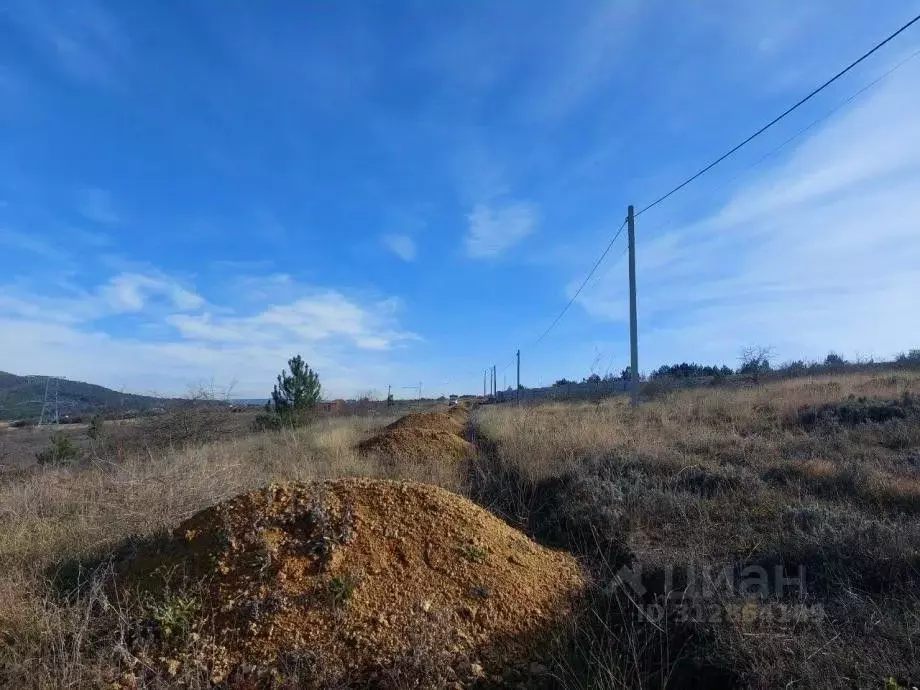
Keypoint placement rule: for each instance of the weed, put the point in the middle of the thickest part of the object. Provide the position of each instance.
(342, 587)
(472, 552)
(174, 614)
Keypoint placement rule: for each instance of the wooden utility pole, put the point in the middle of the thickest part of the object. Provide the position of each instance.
(518, 388)
(633, 326)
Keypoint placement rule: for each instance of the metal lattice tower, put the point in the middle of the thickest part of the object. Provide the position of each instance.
(50, 410)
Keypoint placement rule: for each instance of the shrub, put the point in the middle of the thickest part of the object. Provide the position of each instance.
(855, 411)
(61, 451)
(692, 370)
(755, 361)
(910, 359)
(834, 361)
(96, 428)
(266, 422)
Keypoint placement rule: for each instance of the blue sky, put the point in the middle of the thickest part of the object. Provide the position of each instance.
(405, 192)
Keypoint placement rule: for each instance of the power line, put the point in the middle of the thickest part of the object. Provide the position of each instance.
(772, 152)
(735, 149)
(582, 286)
(779, 117)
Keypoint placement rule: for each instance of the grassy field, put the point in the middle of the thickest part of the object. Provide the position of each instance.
(666, 505)
(822, 474)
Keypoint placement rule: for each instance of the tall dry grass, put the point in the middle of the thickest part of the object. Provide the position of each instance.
(707, 479)
(52, 517)
(543, 438)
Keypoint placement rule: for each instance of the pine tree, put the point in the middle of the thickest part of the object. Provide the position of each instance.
(296, 393)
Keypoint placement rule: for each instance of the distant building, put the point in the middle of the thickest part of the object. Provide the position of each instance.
(331, 406)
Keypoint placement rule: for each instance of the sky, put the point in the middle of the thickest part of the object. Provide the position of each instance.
(407, 192)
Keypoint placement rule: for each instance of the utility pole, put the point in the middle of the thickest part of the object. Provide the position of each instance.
(50, 412)
(633, 326)
(518, 388)
(494, 381)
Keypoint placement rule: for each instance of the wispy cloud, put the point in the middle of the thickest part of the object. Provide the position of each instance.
(401, 245)
(821, 251)
(82, 40)
(97, 205)
(13, 92)
(495, 228)
(31, 243)
(584, 61)
(131, 292)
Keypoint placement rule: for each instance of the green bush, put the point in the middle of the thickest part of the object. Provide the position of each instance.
(61, 451)
(909, 359)
(96, 427)
(266, 422)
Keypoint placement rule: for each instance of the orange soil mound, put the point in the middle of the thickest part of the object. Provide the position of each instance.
(422, 437)
(417, 445)
(356, 574)
(439, 421)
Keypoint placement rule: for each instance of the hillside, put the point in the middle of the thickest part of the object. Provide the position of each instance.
(21, 397)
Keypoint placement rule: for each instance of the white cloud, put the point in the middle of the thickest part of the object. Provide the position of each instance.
(401, 245)
(96, 205)
(319, 316)
(344, 338)
(131, 291)
(820, 252)
(494, 228)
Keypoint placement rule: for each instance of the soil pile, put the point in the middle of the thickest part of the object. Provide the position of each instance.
(422, 437)
(416, 445)
(355, 578)
(452, 423)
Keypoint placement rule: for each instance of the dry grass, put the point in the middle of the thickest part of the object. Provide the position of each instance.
(707, 479)
(52, 517)
(699, 478)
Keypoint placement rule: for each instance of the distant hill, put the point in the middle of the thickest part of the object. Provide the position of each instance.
(252, 402)
(21, 398)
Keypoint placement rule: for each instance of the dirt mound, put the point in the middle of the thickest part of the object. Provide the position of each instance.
(417, 445)
(354, 577)
(439, 421)
(422, 437)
